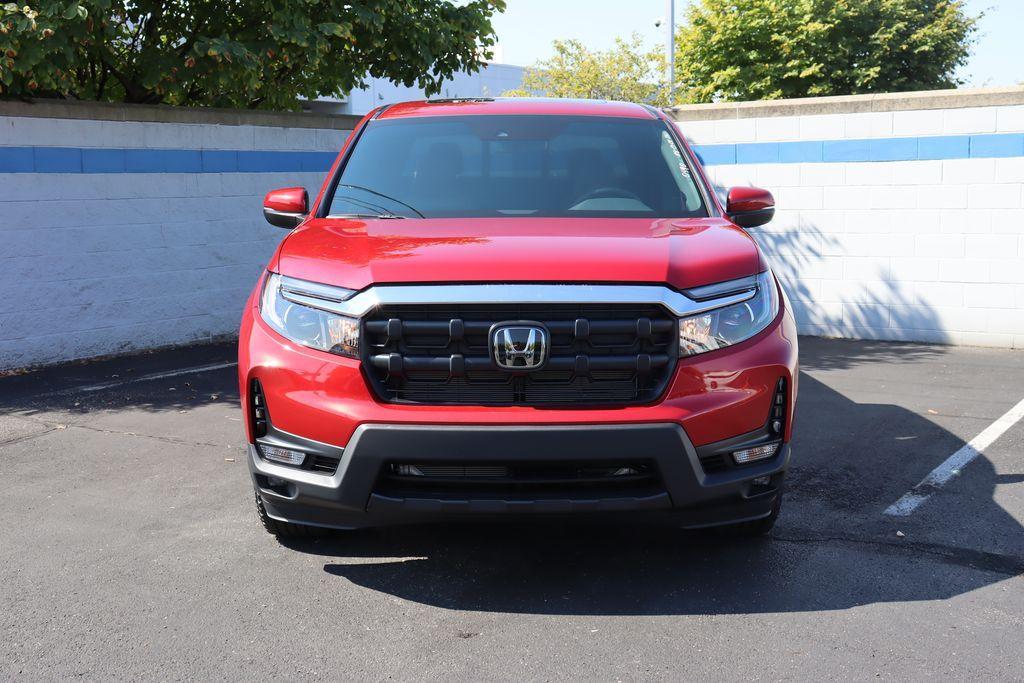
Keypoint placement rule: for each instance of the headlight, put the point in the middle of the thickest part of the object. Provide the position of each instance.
(306, 324)
(730, 325)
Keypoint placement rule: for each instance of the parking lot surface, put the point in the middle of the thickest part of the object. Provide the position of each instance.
(129, 546)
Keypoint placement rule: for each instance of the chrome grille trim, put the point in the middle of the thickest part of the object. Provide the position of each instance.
(312, 294)
(720, 289)
(368, 299)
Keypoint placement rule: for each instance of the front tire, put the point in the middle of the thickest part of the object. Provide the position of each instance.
(283, 530)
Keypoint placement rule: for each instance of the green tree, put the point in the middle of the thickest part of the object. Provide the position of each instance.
(626, 72)
(240, 53)
(771, 49)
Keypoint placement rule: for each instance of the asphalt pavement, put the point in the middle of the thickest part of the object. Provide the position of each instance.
(130, 549)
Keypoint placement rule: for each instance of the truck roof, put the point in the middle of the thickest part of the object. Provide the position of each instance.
(474, 106)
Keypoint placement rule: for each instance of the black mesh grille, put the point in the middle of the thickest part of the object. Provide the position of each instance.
(480, 480)
(599, 355)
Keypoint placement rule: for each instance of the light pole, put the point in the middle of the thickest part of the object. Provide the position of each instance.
(670, 48)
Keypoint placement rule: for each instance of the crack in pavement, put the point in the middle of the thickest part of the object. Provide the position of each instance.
(58, 426)
(26, 437)
(165, 439)
(1007, 565)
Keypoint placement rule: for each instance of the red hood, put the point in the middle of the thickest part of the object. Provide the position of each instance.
(357, 253)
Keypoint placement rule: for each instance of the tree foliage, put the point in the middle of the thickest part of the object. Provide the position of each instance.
(626, 72)
(238, 53)
(770, 49)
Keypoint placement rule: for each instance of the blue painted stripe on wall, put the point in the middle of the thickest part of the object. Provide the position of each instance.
(17, 160)
(997, 145)
(716, 155)
(219, 161)
(318, 161)
(893, 149)
(57, 159)
(85, 160)
(807, 151)
(757, 153)
(104, 161)
(871, 149)
(944, 147)
(847, 150)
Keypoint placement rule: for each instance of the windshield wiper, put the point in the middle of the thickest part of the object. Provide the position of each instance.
(382, 195)
(380, 211)
(382, 216)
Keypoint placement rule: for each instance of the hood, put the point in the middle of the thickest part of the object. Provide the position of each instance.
(681, 252)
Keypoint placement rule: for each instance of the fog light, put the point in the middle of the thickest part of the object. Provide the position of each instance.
(761, 481)
(755, 453)
(282, 455)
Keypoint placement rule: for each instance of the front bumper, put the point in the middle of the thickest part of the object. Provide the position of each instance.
(713, 402)
(352, 497)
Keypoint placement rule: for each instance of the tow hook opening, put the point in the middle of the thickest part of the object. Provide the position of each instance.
(276, 486)
(760, 486)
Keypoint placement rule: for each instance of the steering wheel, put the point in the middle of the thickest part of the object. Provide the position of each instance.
(607, 193)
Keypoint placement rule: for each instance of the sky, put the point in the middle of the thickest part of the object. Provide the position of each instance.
(527, 28)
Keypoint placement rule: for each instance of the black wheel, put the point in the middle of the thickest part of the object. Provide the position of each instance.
(285, 529)
(758, 527)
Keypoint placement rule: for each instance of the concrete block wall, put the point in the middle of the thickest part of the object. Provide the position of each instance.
(898, 216)
(130, 227)
(125, 228)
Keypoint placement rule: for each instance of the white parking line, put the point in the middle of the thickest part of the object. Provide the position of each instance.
(952, 466)
(142, 378)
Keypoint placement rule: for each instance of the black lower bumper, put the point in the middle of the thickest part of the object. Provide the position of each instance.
(352, 497)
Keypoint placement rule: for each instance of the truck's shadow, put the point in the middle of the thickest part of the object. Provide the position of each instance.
(831, 550)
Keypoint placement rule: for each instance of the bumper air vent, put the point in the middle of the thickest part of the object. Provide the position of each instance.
(530, 479)
(258, 409)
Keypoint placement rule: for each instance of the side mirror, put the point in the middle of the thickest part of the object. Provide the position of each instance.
(749, 207)
(286, 207)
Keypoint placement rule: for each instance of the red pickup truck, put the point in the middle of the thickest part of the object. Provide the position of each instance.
(517, 307)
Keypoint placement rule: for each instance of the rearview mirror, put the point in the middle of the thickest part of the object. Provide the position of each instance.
(749, 207)
(286, 207)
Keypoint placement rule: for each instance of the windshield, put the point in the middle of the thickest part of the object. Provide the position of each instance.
(477, 166)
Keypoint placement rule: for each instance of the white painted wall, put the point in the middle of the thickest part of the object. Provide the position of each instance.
(923, 250)
(95, 263)
(102, 263)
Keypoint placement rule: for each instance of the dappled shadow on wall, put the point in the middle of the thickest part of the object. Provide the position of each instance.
(830, 301)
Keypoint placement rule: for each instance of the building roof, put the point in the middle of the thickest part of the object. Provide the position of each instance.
(516, 105)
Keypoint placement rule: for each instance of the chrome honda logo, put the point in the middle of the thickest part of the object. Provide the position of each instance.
(519, 346)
